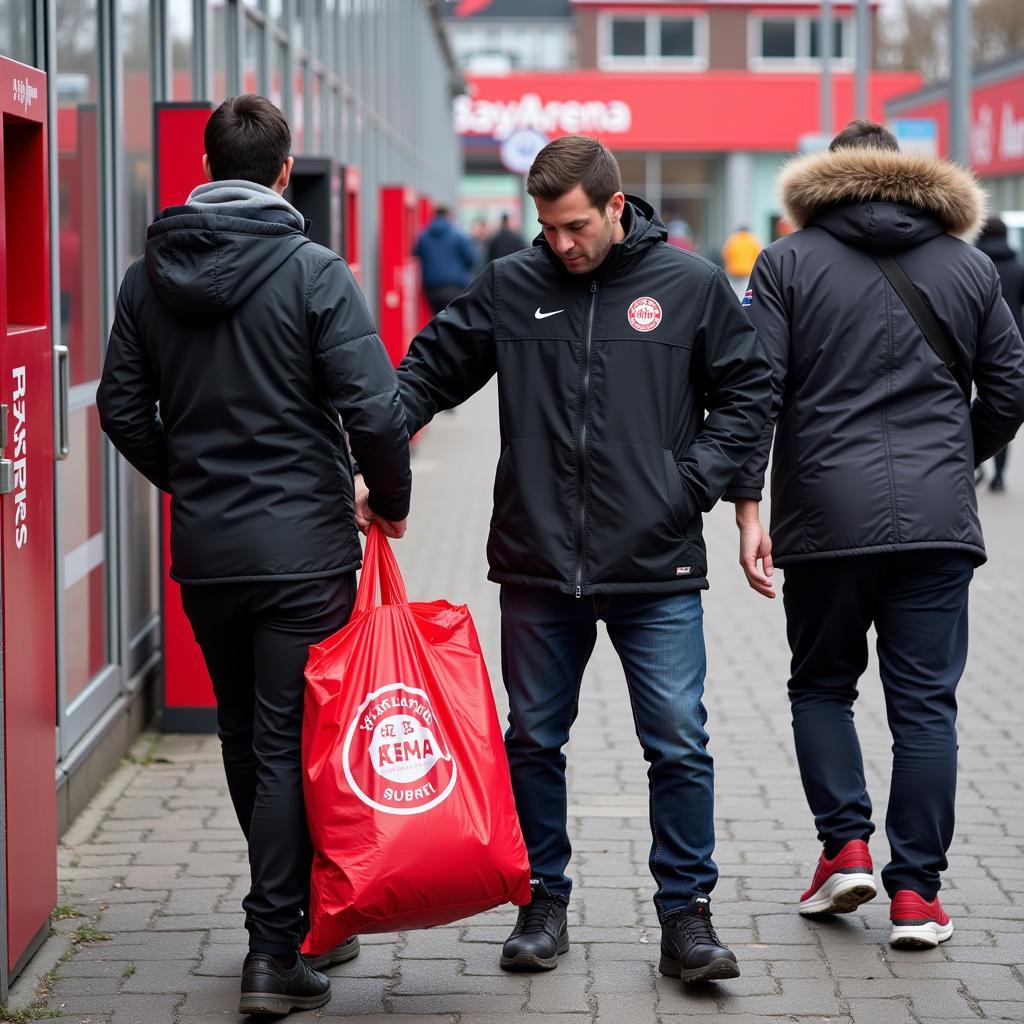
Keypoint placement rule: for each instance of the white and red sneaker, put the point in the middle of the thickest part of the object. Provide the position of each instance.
(842, 884)
(916, 923)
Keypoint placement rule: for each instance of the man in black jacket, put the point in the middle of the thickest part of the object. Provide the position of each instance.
(874, 514)
(608, 345)
(236, 344)
(992, 242)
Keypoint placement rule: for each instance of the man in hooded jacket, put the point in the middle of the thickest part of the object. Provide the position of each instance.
(874, 516)
(608, 345)
(236, 344)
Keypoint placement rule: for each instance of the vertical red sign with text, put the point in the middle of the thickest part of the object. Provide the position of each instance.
(27, 508)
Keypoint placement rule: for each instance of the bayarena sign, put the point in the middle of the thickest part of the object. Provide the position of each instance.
(500, 119)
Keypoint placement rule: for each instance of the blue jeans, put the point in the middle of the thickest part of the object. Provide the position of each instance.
(546, 640)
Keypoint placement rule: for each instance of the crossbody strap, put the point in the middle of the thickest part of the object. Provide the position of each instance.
(924, 316)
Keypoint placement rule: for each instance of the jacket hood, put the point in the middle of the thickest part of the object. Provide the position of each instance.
(207, 264)
(642, 226)
(913, 192)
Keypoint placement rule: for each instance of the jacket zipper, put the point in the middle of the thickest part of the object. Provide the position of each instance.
(585, 407)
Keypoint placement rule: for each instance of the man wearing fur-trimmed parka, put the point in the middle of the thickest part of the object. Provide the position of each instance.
(874, 516)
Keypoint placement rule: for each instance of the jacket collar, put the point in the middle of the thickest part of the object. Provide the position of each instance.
(809, 185)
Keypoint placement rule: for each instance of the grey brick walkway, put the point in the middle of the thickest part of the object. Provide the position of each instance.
(158, 864)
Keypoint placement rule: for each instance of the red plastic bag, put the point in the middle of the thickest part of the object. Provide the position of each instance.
(407, 787)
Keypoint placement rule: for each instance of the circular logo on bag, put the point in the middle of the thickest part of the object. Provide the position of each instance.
(644, 314)
(395, 757)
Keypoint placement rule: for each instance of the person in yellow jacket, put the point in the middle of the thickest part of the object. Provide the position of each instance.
(739, 253)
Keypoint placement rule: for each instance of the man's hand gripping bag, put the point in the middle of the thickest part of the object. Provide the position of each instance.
(407, 787)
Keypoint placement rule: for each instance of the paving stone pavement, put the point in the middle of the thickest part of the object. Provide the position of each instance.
(157, 861)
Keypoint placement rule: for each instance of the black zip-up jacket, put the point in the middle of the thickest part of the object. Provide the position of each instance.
(252, 339)
(875, 447)
(607, 458)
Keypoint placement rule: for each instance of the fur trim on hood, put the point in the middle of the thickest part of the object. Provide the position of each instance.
(952, 195)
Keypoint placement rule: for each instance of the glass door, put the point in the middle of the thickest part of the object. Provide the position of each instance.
(88, 676)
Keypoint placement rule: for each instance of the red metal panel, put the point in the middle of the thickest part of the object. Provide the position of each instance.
(399, 275)
(424, 214)
(27, 537)
(350, 183)
(188, 700)
(997, 126)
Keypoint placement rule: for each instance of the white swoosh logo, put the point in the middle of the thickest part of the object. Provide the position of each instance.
(543, 316)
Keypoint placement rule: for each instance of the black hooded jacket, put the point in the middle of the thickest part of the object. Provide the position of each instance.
(607, 458)
(875, 447)
(252, 340)
(1010, 269)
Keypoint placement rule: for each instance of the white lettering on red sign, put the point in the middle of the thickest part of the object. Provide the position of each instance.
(24, 93)
(499, 119)
(18, 394)
(997, 140)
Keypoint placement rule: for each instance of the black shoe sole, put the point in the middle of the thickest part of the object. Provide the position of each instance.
(279, 1005)
(720, 969)
(532, 962)
(325, 960)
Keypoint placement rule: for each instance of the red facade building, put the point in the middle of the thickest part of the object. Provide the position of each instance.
(701, 102)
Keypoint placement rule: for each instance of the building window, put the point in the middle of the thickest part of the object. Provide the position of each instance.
(502, 48)
(778, 38)
(182, 45)
(788, 43)
(17, 30)
(654, 41)
(629, 37)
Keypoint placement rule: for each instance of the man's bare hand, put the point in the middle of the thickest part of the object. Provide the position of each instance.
(755, 547)
(394, 530)
(365, 516)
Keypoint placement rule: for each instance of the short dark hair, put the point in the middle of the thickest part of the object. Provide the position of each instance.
(862, 134)
(442, 211)
(247, 137)
(575, 160)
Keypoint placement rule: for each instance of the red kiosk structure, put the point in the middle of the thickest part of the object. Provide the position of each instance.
(27, 429)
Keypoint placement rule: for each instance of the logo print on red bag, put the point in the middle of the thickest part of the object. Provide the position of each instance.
(395, 757)
(644, 314)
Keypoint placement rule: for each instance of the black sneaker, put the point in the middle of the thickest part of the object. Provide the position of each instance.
(348, 950)
(269, 988)
(540, 936)
(691, 950)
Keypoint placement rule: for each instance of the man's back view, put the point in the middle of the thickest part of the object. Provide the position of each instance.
(874, 517)
(447, 258)
(236, 345)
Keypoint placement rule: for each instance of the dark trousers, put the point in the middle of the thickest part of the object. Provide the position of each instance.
(255, 639)
(439, 295)
(546, 641)
(917, 602)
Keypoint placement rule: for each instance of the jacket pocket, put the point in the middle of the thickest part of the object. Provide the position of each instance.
(676, 495)
(634, 508)
(533, 527)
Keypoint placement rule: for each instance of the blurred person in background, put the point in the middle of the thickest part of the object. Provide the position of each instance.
(505, 241)
(992, 242)
(447, 258)
(739, 253)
